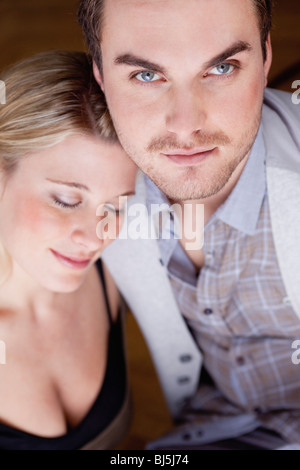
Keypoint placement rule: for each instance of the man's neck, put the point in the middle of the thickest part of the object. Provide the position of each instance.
(212, 203)
(192, 223)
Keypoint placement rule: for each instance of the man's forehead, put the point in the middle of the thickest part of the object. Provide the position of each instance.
(157, 13)
(172, 5)
(151, 26)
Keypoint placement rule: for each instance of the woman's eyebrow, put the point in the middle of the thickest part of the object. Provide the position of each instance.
(115, 198)
(69, 183)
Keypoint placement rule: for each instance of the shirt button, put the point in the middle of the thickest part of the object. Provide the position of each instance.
(208, 311)
(240, 360)
(209, 257)
(258, 410)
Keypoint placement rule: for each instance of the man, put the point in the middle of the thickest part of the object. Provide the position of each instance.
(185, 84)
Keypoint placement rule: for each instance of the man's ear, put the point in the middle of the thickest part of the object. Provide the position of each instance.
(268, 61)
(98, 76)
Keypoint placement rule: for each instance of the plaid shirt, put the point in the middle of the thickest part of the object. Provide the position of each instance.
(237, 307)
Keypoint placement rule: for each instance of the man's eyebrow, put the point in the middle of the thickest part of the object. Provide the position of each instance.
(239, 46)
(135, 61)
(70, 184)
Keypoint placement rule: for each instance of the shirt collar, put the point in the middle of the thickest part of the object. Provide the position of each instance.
(242, 207)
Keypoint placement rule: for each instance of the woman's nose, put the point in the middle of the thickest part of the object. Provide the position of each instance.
(84, 233)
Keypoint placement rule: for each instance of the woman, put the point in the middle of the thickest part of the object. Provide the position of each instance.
(64, 382)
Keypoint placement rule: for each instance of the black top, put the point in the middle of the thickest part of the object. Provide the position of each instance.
(103, 411)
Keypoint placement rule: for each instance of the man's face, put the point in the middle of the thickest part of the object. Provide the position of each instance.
(184, 82)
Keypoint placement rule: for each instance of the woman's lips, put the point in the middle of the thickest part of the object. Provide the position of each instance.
(74, 263)
(192, 157)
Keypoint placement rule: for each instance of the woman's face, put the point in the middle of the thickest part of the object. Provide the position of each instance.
(48, 208)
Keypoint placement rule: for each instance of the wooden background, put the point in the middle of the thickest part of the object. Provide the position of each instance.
(30, 26)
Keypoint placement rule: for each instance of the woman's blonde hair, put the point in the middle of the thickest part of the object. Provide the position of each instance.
(49, 97)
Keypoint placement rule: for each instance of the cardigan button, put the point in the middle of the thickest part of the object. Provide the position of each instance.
(183, 402)
(185, 358)
(183, 380)
(258, 410)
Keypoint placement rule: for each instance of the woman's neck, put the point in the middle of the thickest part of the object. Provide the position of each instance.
(21, 293)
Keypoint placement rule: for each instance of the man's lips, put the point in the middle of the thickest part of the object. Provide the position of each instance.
(72, 262)
(189, 157)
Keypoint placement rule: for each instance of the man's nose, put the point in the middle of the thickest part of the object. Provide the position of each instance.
(186, 113)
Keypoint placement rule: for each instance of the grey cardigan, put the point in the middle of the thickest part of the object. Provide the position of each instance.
(143, 281)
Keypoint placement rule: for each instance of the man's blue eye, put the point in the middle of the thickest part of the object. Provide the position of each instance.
(222, 69)
(147, 76)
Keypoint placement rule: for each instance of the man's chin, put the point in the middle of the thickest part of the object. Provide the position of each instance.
(187, 190)
(197, 182)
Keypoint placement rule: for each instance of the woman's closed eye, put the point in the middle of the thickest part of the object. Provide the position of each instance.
(112, 208)
(65, 203)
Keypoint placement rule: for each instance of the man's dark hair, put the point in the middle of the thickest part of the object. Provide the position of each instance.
(264, 10)
(90, 18)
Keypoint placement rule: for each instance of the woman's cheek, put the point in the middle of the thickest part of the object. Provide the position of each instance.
(39, 219)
